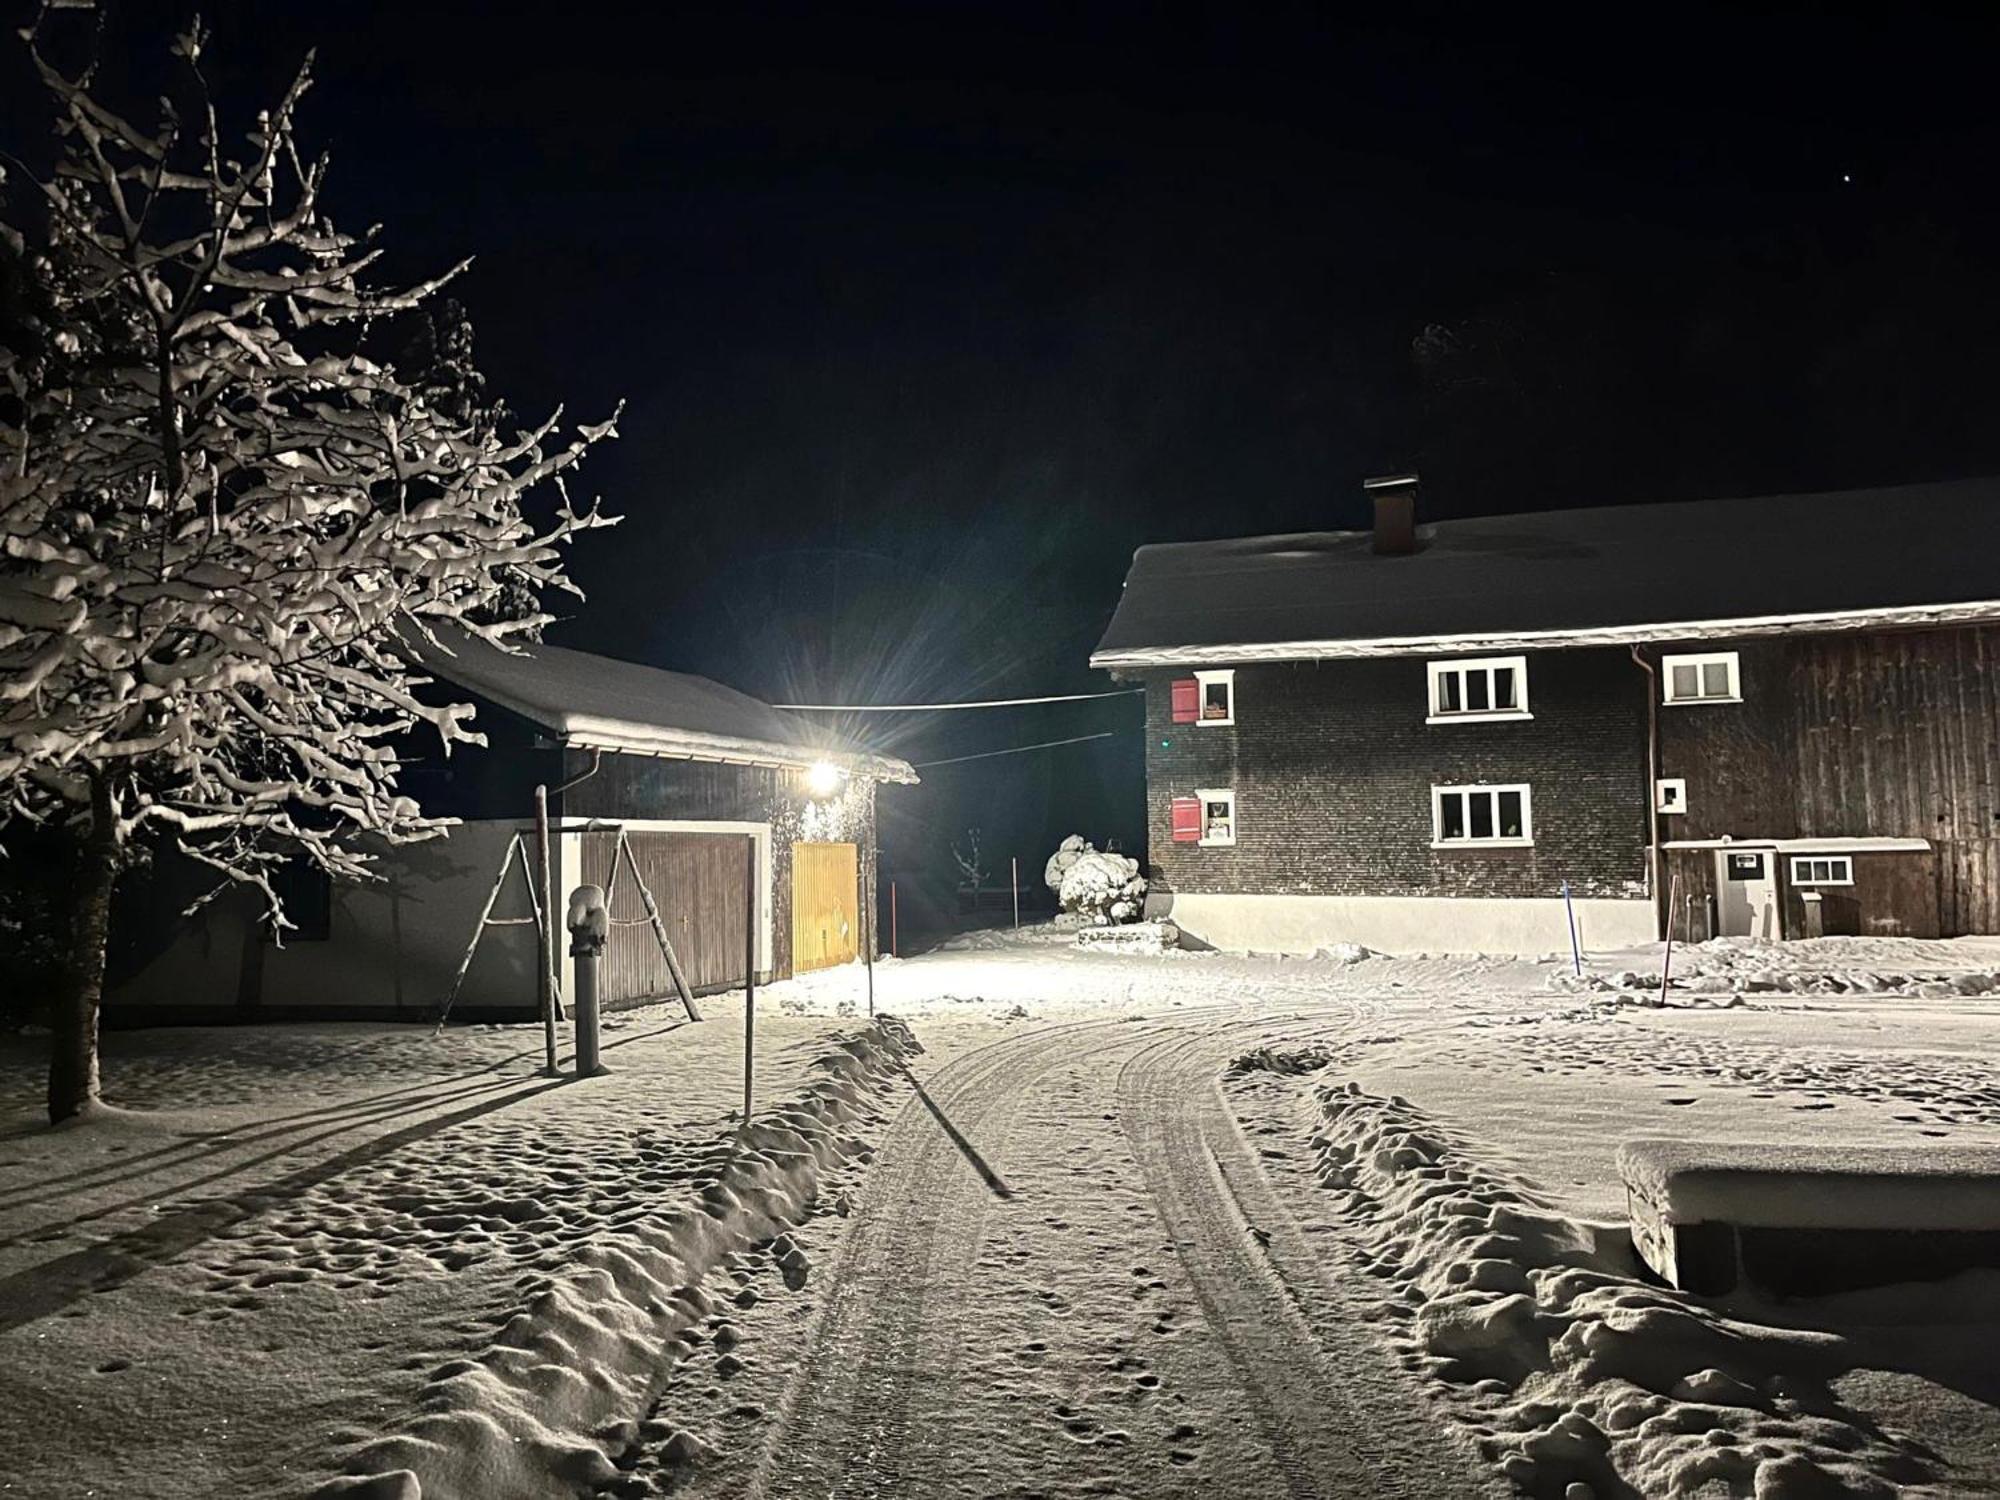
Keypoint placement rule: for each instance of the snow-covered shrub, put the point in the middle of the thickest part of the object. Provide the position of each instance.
(1061, 860)
(1092, 883)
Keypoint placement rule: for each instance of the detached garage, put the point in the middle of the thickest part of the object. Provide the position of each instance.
(706, 787)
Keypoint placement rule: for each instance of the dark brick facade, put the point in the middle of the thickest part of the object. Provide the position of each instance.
(1332, 764)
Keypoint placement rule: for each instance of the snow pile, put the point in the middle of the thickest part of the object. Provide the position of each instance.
(1089, 881)
(1579, 1379)
(1817, 966)
(1344, 953)
(1133, 937)
(533, 1413)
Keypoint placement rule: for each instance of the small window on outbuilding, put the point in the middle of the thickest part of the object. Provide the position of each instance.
(1822, 869)
(1217, 696)
(1712, 677)
(1218, 816)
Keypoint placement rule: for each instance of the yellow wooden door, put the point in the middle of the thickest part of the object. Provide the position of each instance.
(825, 930)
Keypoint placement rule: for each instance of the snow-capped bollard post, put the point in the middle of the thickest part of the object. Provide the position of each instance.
(589, 930)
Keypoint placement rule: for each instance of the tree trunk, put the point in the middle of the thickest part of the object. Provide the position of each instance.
(73, 1057)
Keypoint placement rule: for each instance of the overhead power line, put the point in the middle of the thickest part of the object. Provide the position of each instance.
(915, 708)
(925, 765)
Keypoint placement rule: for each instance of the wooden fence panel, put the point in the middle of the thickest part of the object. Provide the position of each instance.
(697, 881)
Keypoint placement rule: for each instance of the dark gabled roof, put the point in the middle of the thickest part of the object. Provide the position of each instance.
(1911, 555)
(597, 702)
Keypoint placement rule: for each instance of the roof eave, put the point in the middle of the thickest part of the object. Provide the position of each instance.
(1660, 632)
(586, 732)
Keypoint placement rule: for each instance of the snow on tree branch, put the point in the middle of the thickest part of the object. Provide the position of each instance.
(225, 516)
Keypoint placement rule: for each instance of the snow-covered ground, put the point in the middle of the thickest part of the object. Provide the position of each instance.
(1476, 1165)
(294, 1250)
(299, 1252)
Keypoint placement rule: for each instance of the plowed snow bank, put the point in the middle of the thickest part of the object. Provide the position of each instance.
(531, 1414)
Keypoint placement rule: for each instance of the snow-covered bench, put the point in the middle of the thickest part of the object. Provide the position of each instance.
(1808, 1220)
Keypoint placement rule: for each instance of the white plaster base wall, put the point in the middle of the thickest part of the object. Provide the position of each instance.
(393, 947)
(1405, 924)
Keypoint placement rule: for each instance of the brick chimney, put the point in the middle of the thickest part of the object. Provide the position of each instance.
(1395, 497)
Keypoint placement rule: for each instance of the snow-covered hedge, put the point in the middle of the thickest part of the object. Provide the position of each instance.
(1089, 881)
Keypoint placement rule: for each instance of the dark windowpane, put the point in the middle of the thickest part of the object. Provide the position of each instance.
(1715, 679)
(1475, 691)
(1215, 700)
(1503, 687)
(1510, 815)
(1686, 682)
(1482, 814)
(1452, 822)
(1448, 699)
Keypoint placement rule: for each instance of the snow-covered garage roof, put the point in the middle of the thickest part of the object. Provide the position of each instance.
(599, 703)
(1916, 554)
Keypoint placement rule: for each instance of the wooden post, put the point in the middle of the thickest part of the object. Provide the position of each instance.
(1014, 866)
(864, 898)
(1575, 948)
(545, 981)
(749, 974)
(1667, 958)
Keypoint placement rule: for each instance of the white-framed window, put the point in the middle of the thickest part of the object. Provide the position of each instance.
(1218, 815)
(1670, 794)
(1711, 677)
(1215, 696)
(1481, 816)
(1493, 687)
(1822, 869)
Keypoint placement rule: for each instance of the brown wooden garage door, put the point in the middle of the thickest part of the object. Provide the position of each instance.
(824, 931)
(697, 879)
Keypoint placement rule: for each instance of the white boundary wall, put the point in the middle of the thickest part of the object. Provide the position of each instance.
(395, 942)
(1405, 924)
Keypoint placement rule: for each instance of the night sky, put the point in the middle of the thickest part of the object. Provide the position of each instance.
(926, 316)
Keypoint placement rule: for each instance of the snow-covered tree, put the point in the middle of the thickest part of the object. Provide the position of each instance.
(224, 516)
(971, 864)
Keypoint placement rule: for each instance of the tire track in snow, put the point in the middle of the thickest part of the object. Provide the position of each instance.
(1328, 1399)
(880, 1391)
(846, 1426)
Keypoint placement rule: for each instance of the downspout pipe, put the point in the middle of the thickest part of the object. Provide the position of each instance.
(1652, 781)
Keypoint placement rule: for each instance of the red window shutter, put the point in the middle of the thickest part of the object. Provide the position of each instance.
(1187, 701)
(1187, 820)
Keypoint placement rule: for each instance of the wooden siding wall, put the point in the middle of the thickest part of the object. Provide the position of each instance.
(1893, 895)
(697, 879)
(644, 786)
(1894, 733)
